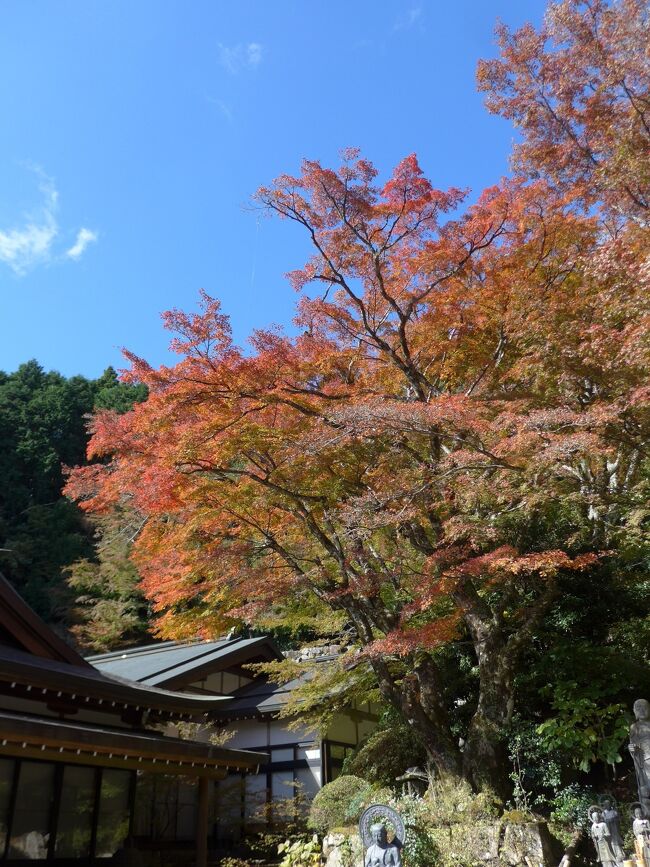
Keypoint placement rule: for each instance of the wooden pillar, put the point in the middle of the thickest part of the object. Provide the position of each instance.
(202, 822)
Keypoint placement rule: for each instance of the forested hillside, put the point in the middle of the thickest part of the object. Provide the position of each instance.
(43, 420)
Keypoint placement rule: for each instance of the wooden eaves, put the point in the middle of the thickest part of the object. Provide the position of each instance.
(22, 673)
(51, 739)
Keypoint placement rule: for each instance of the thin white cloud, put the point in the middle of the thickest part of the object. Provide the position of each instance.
(84, 237)
(32, 241)
(243, 55)
(224, 109)
(254, 54)
(409, 19)
(23, 247)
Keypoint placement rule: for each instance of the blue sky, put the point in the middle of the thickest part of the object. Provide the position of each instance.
(135, 133)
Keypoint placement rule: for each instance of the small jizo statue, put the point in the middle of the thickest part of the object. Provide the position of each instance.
(381, 853)
(641, 829)
(640, 751)
(602, 838)
(611, 819)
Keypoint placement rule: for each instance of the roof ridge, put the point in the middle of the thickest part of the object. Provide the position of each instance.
(148, 648)
(206, 652)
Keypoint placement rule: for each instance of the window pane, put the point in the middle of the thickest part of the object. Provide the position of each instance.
(31, 823)
(282, 785)
(74, 827)
(186, 813)
(308, 783)
(229, 805)
(256, 797)
(113, 822)
(165, 808)
(7, 767)
(144, 804)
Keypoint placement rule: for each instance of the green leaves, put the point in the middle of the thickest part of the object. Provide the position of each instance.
(43, 419)
(303, 852)
(586, 730)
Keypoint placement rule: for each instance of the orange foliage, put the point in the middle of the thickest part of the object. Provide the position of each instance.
(579, 90)
(461, 424)
(450, 374)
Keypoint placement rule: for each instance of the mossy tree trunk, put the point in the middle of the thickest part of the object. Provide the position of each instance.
(414, 685)
(485, 755)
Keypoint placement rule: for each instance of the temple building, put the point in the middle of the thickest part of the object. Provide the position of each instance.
(297, 761)
(117, 753)
(85, 769)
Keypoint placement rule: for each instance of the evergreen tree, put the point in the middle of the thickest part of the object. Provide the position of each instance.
(43, 430)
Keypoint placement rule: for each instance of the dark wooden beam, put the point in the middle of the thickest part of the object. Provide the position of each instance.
(119, 762)
(44, 734)
(54, 680)
(30, 632)
(202, 823)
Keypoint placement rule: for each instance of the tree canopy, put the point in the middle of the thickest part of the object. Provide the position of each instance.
(43, 418)
(448, 466)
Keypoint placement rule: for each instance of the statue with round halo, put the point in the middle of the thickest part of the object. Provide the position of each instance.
(379, 851)
(641, 830)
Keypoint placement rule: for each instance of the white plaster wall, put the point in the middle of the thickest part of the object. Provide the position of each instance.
(247, 734)
(343, 729)
(280, 733)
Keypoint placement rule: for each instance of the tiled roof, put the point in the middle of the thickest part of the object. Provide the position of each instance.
(175, 663)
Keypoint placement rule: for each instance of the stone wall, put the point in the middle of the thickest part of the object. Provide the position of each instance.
(498, 844)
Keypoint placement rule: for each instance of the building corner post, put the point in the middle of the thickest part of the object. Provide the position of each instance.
(202, 822)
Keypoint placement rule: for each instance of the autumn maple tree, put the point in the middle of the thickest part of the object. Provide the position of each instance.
(578, 90)
(459, 429)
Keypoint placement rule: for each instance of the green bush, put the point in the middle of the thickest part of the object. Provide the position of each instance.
(300, 853)
(452, 802)
(570, 805)
(385, 754)
(337, 803)
(234, 862)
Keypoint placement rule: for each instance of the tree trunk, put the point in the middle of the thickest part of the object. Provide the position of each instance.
(423, 707)
(485, 754)
(418, 698)
(485, 759)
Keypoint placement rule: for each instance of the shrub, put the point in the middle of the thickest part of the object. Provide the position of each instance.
(300, 853)
(570, 805)
(386, 753)
(337, 803)
(234, 862)
(420, 846)
(453, 801)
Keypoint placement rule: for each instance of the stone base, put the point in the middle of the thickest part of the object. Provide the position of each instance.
(343, 849)
(527, 844)
(497, 845)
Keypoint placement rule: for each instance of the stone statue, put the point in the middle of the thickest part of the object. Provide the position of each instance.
(611, 819)
(640, 751)
(601, 837)
(374, 836)
(381, 853)
(641, 828)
